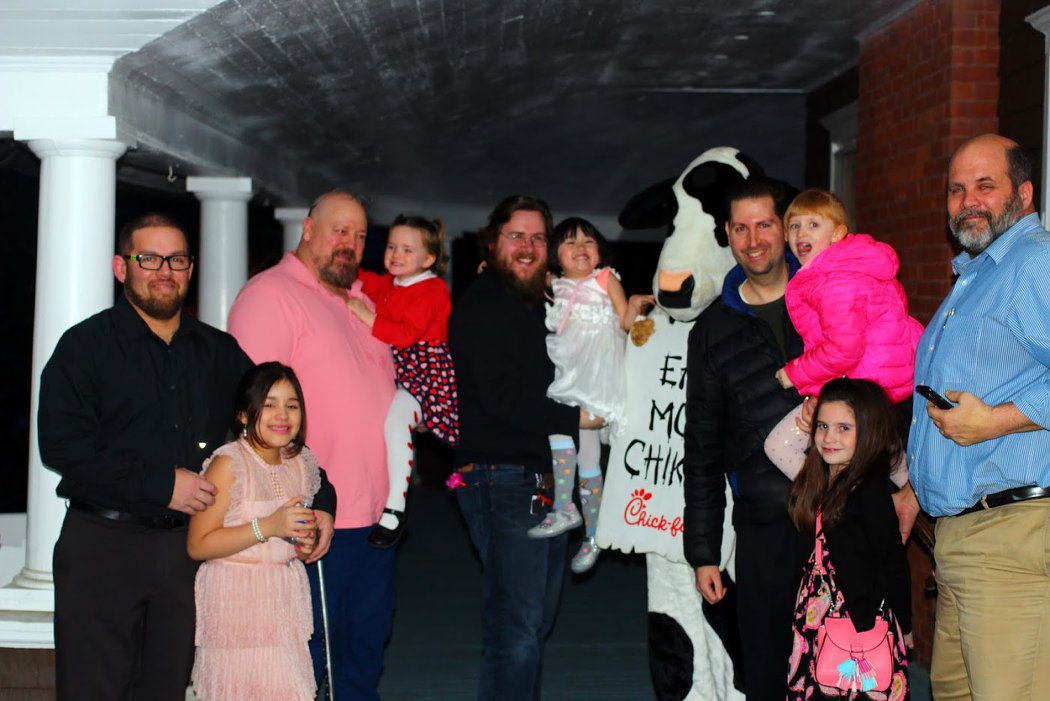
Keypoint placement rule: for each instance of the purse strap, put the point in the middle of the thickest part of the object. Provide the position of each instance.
(819, 549)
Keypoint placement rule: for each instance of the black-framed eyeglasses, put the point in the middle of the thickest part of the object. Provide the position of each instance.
(153, 261)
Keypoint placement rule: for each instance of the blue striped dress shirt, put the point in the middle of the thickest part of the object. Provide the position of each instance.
(990, 337)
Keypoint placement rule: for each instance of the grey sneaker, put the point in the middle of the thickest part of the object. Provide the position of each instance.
(556, 523)
(585, 557)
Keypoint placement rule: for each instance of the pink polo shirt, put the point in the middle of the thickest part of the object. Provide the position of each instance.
(285, 314)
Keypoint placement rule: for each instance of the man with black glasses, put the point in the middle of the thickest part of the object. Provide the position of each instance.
(132, 401)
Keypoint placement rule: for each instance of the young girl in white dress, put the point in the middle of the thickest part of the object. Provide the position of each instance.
(587, 321)
(253, 601)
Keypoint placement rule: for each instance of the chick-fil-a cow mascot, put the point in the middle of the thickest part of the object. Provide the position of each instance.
(692, 646)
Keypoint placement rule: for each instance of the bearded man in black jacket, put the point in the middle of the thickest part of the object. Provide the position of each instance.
(499, 345)
(733, 400)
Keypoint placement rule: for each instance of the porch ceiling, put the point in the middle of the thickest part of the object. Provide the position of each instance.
(582, 102)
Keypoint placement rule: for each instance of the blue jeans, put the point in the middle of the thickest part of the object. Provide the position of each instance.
(522, 578)
(359, 583)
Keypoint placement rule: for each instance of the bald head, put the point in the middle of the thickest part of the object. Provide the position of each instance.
(1018, 167)
(333, 239)
(989, 190)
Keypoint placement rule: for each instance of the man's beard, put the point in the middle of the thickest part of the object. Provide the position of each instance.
(530, 290)
(339, 275)
(976, 241)
(160, 309)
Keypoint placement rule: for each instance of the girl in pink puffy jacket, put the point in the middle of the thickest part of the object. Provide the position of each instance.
(851, 312)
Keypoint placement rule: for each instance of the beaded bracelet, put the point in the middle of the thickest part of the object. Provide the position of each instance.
(257, 531)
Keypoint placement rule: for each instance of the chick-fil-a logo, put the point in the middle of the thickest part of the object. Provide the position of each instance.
(635, 514)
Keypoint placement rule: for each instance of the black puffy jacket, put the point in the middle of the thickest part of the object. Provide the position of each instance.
(733, 401)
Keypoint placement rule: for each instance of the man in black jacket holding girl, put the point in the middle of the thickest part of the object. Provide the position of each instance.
(498, 341)
(733, 401)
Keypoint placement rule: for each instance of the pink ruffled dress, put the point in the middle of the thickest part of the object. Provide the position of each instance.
(253, 608)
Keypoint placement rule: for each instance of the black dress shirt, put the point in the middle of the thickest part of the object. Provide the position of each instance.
(120, 409)
(499, 347)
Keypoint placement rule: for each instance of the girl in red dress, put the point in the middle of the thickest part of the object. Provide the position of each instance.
(412, 305)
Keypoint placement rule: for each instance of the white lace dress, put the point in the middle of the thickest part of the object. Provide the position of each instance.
(254, 615)
(587, 347)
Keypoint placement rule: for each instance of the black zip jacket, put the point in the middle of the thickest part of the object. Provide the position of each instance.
(499, 347)
(733, 401)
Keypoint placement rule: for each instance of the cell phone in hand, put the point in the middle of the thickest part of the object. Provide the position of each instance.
(931, 396)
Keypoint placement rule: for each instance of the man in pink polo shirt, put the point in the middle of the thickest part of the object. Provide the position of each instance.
(296, 313)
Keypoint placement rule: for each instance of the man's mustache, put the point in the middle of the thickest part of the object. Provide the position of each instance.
(972, 212)
(350, 256)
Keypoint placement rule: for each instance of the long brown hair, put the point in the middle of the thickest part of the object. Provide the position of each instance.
(878, 449)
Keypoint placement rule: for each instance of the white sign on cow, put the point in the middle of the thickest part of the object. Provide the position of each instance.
(642, 506)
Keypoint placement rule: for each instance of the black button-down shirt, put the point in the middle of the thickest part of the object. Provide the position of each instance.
(120, 409)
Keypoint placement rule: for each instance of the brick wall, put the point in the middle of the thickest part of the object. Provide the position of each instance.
(928, 81)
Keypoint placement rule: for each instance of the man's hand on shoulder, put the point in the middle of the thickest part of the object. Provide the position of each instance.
(191, 493)
(709, 583)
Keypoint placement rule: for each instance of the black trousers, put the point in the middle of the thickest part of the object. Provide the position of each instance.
(124, 611)
(767, 584)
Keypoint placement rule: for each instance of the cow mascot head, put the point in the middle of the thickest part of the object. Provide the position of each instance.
(696, 256)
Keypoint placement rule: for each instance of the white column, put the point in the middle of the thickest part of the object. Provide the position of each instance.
(74, 279)
(291, 219)
(1041, 21)
(222, 266)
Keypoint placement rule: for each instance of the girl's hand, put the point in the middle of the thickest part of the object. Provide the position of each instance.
(639, 305)
(304, 546)
(805, 420)
(361, 311)
(293, 520)
(784, 380)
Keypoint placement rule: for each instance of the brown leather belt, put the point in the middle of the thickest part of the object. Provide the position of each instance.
(163, 521)
(1010, 496)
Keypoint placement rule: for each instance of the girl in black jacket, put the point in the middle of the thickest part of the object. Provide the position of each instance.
(844, 490)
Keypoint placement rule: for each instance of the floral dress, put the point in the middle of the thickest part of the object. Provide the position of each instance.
(819, 597)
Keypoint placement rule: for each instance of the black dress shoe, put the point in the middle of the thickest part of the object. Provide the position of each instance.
(383, 537)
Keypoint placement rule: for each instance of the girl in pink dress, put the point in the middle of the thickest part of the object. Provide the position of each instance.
(253, 601)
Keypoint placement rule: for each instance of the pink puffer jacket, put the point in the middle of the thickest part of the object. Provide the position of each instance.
(852, 315)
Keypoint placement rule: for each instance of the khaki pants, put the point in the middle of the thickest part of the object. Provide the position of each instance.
(992, 640)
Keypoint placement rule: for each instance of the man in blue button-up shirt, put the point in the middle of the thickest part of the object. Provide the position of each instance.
(983, 466)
